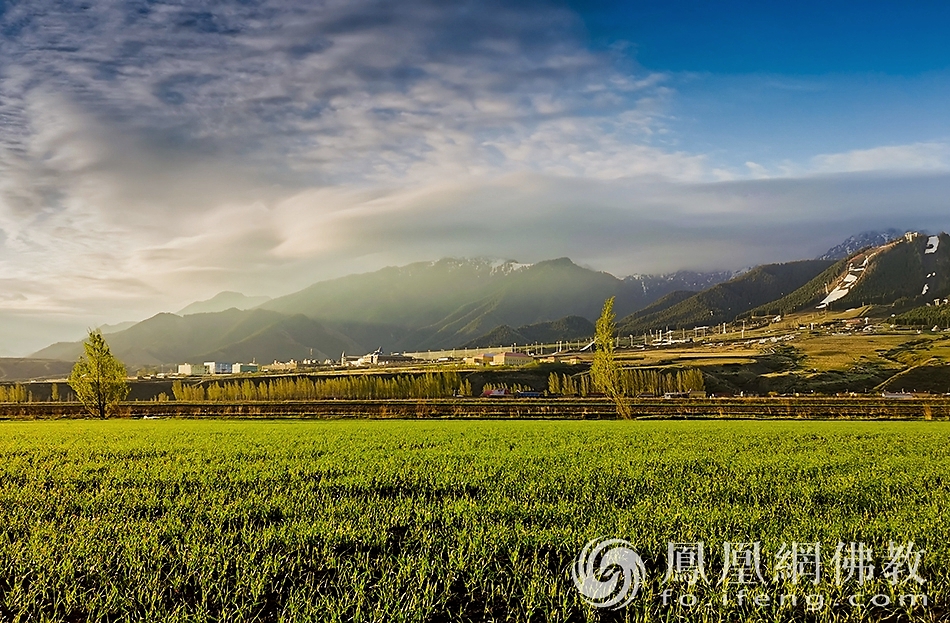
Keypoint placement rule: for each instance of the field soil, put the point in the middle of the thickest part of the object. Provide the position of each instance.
(513, 408)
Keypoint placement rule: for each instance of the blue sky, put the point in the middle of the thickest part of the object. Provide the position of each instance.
(154, 153)
(804, 37)
(774, 81)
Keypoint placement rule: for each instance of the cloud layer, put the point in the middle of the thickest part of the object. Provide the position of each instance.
(152, 153)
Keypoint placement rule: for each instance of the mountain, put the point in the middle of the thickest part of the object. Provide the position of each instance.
(664, 303)
(223, 301)
(115, 328)
(430, 305)
(809, 295)
(567, 328)
(861, 241)
(426, 305)
(656, 286)
(725, 301)
(912, 270)
(232, 335)
(19, 369)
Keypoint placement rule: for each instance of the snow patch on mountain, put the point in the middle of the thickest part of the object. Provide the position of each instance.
(847, 282)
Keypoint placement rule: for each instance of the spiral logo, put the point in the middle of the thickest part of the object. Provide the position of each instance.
(608, 573)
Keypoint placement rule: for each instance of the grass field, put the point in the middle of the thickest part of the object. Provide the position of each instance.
(450, 521)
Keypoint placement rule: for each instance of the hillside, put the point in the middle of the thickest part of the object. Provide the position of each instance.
(726, 301)
(915, 268)
(912, 270)
(223, 301)
(20, 369)
(807, 296)
(232, 335)
(450, 302)
(657, 307)
(426, 305)
(568, 328)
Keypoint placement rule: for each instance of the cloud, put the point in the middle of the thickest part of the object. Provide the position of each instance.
(152, 154)
(913, 157)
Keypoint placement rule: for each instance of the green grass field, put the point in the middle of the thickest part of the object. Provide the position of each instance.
(450, 521)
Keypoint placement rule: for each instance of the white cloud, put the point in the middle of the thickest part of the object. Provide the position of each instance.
(913, 157)
(154, 154)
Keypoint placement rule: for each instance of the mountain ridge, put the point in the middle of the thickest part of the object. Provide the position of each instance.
(452, 302)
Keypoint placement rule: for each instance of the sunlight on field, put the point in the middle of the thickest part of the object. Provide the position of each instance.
(439, 521)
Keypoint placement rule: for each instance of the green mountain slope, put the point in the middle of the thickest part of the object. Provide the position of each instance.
(231, 335)
(905, 270)
(657, 307)
(409, 296)
(809, 295)
(726, 301)
(912, 270)
(18, 369)
(567, 328)
(442, 304)
(539, 293)
(427, 305)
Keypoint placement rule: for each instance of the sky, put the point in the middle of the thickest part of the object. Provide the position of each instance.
(156, 153)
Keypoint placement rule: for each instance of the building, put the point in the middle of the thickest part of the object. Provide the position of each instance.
(511, 359)
(556, 358)
(485, 359)
(377, 358)
(277, 366)
(349, 360)
(217, 367)
(242, 368)
(188, 369)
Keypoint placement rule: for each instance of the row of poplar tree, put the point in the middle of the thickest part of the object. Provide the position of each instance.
(365, 387)
(635, 382)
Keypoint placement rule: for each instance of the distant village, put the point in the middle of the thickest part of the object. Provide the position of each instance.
(375, 359)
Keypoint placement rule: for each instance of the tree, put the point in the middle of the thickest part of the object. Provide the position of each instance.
(98, 378)
(604, 372)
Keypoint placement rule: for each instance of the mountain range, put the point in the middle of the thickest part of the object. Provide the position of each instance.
(452, 303)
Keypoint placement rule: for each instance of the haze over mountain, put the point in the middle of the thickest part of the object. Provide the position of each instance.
(453, 303)
(425, 305)
(222, 301)
(442, 304)
(567, 328)
(232, 335)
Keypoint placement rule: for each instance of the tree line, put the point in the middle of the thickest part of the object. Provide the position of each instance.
(356, 387)
(936, 315)
(631, 382)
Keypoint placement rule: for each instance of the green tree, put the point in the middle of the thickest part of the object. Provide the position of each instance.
(98, 378)
(604, 371)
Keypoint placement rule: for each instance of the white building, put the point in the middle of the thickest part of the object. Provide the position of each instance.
(188, 369)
